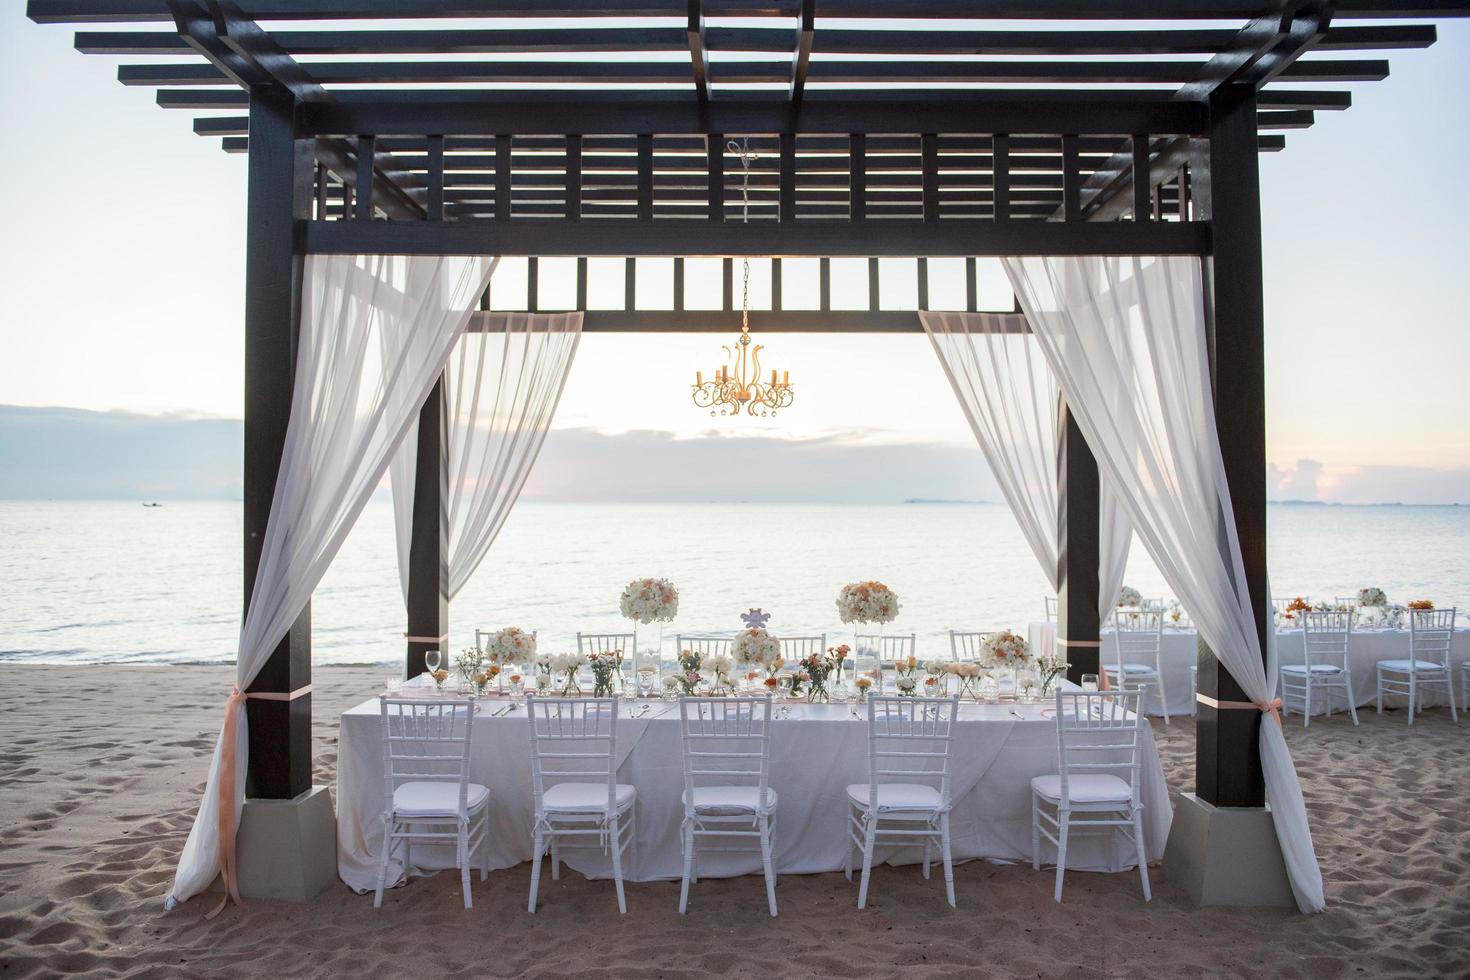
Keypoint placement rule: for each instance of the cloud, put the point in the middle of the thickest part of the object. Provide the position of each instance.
(1297, 482)
(1309, 479)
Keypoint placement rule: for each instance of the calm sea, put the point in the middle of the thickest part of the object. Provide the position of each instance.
(116, 582)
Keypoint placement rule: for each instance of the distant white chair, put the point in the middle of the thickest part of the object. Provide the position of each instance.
(1138, 642)
(1050, 608)
(1099, 745)
(794, 648)
(889, 648)
(1155, 605)
(593, 644)
(966, 645)
(1325, 667)
(908, 785)
(1431, 635)
(727, 794)
(574, 775)
(426, 765)
(705, 645)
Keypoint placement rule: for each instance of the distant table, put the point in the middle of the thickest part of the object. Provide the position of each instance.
(815, 754)
(1365, 648)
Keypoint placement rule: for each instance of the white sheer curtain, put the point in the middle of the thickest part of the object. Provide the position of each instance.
(1126, 338)
(375, 333)
(501, 391)
(1010, 398)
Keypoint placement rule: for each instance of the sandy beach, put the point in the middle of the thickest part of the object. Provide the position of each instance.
(101, 768)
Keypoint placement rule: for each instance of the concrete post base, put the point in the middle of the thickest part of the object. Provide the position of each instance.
(1226, 855)
(287, 849)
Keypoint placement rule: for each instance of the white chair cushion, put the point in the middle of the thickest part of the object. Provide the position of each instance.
(1086, 788)
(897, 796)
(1300, 669)
(585, 797)
(1402, 666)
(436, 799)
(730, 801)
(1133, 669)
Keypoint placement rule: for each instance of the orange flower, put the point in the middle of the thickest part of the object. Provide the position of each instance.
(1421, 604)
(771, 682)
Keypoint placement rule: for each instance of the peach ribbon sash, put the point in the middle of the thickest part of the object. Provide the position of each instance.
(1273, 708)
(229, 742)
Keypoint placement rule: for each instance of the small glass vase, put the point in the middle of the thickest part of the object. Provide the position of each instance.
(648, 645)
(571, 687)
(867, 652)
(721, 687)
(816, 692)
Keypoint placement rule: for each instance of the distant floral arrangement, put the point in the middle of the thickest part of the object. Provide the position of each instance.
(1372, 597)
(1421, 604)
(756, 646)
(867, 602)
(1129, 598)
(1006, 649)
(649, 600)
(511, 645)
(1298, 605)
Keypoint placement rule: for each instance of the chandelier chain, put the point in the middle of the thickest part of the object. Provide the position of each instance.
(742, 150)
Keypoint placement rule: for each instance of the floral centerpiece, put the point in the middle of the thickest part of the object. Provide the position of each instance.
(907, 683)
(511, 645)
(439, 677)
(1050, 666)
(649, 602)
(838, 656)
(968, 675)
(565, 667)
(1421, 604)
(1372, 596)
(720, 664)
(867, 602)
(1295, 608)
(604, 673)
(469, 663)
(1177, 618)
(935, 672)
(686, 681)
(757, 648)
(1006, 649)
(861, 686)
(1129, 598)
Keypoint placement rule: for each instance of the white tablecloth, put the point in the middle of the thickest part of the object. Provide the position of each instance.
(815, 754)
(1365, 648)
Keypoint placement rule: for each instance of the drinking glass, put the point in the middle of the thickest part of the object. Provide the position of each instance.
(432, 659)
(394, 685)
(1089, 682)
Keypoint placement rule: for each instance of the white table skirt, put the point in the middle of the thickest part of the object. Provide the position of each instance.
(815, 754)
(1365, 648)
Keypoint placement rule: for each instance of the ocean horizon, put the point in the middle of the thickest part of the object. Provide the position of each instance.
(115, 582)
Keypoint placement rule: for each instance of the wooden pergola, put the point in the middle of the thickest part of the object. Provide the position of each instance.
(1050, 127)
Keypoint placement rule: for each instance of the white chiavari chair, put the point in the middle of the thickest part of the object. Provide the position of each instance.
(1431, 635)
(1099, 748)
(794, 648)
(1325, 668)
(1155, 605)
(705, 645)
(889, 648)
(426, 766)
(1050, 608)
(908, 786)
(620, 645)
(1138, 649)
(967, 646)
(574, 775)
(727, 793)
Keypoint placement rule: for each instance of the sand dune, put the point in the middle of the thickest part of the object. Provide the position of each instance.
(100, 769)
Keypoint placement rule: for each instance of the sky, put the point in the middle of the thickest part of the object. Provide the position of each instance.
(124, 234)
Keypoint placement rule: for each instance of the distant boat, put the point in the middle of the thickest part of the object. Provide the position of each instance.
(153, 504)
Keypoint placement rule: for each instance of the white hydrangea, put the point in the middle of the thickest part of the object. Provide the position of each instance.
(756, 646)
(511, 645)
(1006, 649)
(1129, 598)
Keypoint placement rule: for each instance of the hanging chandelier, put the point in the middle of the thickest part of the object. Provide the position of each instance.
(736, 385)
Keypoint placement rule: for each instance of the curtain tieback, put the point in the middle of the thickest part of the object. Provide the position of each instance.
(229, 741)
(426, 639)
(1272, 708)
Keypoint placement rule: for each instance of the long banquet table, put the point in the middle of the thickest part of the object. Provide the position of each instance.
(1365, 648)
(815, 753)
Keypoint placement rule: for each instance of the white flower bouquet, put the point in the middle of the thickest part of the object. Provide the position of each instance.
(511, 645)
(720, 664)
(565, 665)
(604, 670)
(757, 648)
(1372, 596)
(1129, 598)
(1006, 649)
(650, 600)
(867, 602)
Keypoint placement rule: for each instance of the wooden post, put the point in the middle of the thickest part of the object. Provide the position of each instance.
(1227, 753)
(279, 180)
(428, 549)
(1078, 532)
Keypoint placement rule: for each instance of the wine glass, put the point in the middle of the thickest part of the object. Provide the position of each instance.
(1089, 682)
(432, 659)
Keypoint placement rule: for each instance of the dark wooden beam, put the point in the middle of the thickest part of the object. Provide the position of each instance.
(728, 321)
(279, 176)
(806, 32)
(428, 549)
(899, 237)
(698, 51)
(1078, 549)
(1227, 188)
